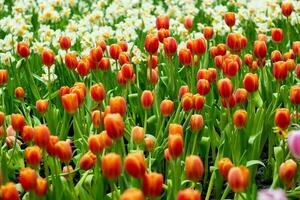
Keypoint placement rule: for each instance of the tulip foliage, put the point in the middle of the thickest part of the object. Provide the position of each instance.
(182, 110)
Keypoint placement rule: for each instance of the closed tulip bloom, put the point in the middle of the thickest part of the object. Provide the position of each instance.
(65, 42)
(224, 165)
(123, 44)
(124, 58)
(153, 184)
(293, 143)
(96, 54)
(41, 187)
(197, 46)
(135, 165)
(203, 86)
(149, 143)
(107, 141)
(175, 145)
(17, 122)
(83, 68)
(240, 118)
(208, 32)
(71, 61)
(87, 161)
(229, 18)
(241, 95)
(280, 70)
(212, 74)
(96, 115)
(248, 59)
(104, 64)
(228, 102)
(187, 102)
(175, 129)
(51, 145)
(185, 56)
(188, 22)
(3, 77)
(184, 89)
(276, 56)
(288, 55)
(42, 105)
(260, 49)
(287, 172)
(111, 165)
(19, 93)
(282, 118)
(287, 8)
(9, 192)
(291, 65)
(114, 51)
(225, 88)
(23, 49)
(33, 155)
(295, 94)
(194, 169)
(277, 35)
(162, 21)
(170, 46)
(48, 57)
(96, 145)
(2, 118)
(296, 47)
(70, 103)
(154, 76)
(166, 107)
(213, 51)
(196, 122)
(151, 44)
(137, 134)
(203, 74)
(118, 105)
(189, 194)
(28, 179)
(251, 82)
(97, 92)
(238, 178)
(114, 126)
(27, 133)
(63, 151)
(121, 79)
(41, 135)
(162, 34)
(147, 99)
(132, 194)
(127, 71)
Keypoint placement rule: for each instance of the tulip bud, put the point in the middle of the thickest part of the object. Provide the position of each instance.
(287, 172)
(154, 63)
(135, 165)
(28, 179)
(162, 34)
(296, 47)
(19, 93)
(288, 55)
(17, 122)
(123, 44)
(238, 178)
(187, 101)
(196, 122)
(228, 102)
(51, 145)
(3, 77)
(185, 56)
(124, 58)
(175, 129)
(132, 194)
(33, 155)
(229, 19)
(70, 103)
(199, 102)
(185, 89)
(127, 71)
(240, 118)
(111, 165)
(104, 64)
(188, 22)
(96, 145)
(218, 60)
(287, 8)
(241, 95)
(260, 49)
(41, 135)
(42, 106)
(149, 143)
(197, 46)
(194, 169)
(137, 134)
(63, 151)
(114, 126)
(151, 44)
(153, 184)
(96, 118)
(166, 107)
(41, 187)
(280, 70)
(114, 51)
(175, 145)
(97, 92)
(9, 192)
(208, 32)
(27, 133)
(213, 51)
(48, 57)
(203, 87)
(277, 35)
(83, 68)
(248, 59)
(162, 21)
(224, 165)
(295, 94)
(170, 46)
(71, 61)
(251, 82)
(96, 54)
(276, 56)
(65, 42)
(189, 194)
(87, 161)
(147, 99)
(282, 118)
(154, 76)
(23, 49)
(117, 105)
(225, 88)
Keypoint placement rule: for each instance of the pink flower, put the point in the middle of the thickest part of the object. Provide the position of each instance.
(294, 143)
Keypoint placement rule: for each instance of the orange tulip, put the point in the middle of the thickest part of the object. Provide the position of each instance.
(19, 93)
(17, 122)
(153, 184)
(63, 151)
(260, 49)
(71, 61)
(127, 71)
(28, 179)
(114, 126)
(124, 58)
(118, 105)
(196, 122)
(175, 145)
(96, 54)
(135, 165)
(241, 95)
(189, 194)
(33, 155)
(224, 165)
(27, 133)
(203, 87)
(280, 70)
(132, 194)
(3, 77)
(194, 169)
(238, 178)
(276, 56)
(2, 118)
(183, 89)
(197, 46)
(111, 165)
(70, 103)
(104, 64)
(225, 88)
(170, 46)
(151, 44)
(97, 92)
(51, 145)
(162, 21)
(208, 32)
(9, 192)
(240, 118)
(187, 102)
(175, 129)
(65, 42)
(166, 107)
(102, 44)
(48, 57)
(287, 8)
(42, 105)
(282, 118)
(162, 34)
(41, 135)
(277, 35)
(188, 22)
(251, 82)
(147, 99)
(149, 143)
(87, 161)
(295, 94)
(96, 145)
(185, 56)
(199, 102)
(123, 44)
(137, 134)
(287, 172)
(229, 19)
(114, 51)
(23, 49)
(41, 187)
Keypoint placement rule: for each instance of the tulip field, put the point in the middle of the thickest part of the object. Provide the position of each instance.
(149, 100)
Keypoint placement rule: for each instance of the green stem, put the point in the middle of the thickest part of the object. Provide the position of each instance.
(226, 192)
(145, 122)
(210, 186)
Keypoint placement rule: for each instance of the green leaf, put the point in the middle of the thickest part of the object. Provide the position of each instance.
(254, 162)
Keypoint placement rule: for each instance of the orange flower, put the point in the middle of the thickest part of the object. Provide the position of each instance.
(2, 118)
(166, 107)
(260, 49)
(65, 42)
(87, 161)
(70, 103)
(162, 34)
(42, 105)
(41, 187)
(102, 44)
(162, 21)
(106, 139)
(197, 46)
(295, 94)
(123, 44)
(135, 165)
(9, 192)
(238, 178)
(251, 82)
(248, 59)
(228, 102)
(187, 101)
(147, 99)
(277, 35)
(170, 46)
(153, 184)
(83, 67)
(124, 58)
(17, 122)
(28, 179)
(287, 172)
(96, 54)
(137, 134)
(199, 102)
(23, 49)
(111, 165)
(51, 145)
(175, 129)
(96, 118)
(175, 145)
(208, 32)
(132, 194)
(63, 151)
(27, 133)
(276, 56)
(188, 22)
(240, 118)
(96, 145)
(33, 155)
(104, 64)
(241, 95)
(118, 105)
(185, 56)
(151, 44)
(48, 57)
(149, 143)
(114, 126)
(287, 8)
(127, 71)
(183, 89)
(154, 62)
(97, 92)
(71, 61)
(41, 136)
(280, 70)
(282, 118)
(196, 122)
(114, 51)
(224, 165)
(3, 77)
(229, 19)
(225, 88)
(194, 169)
(19, 93)
(189, 194)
